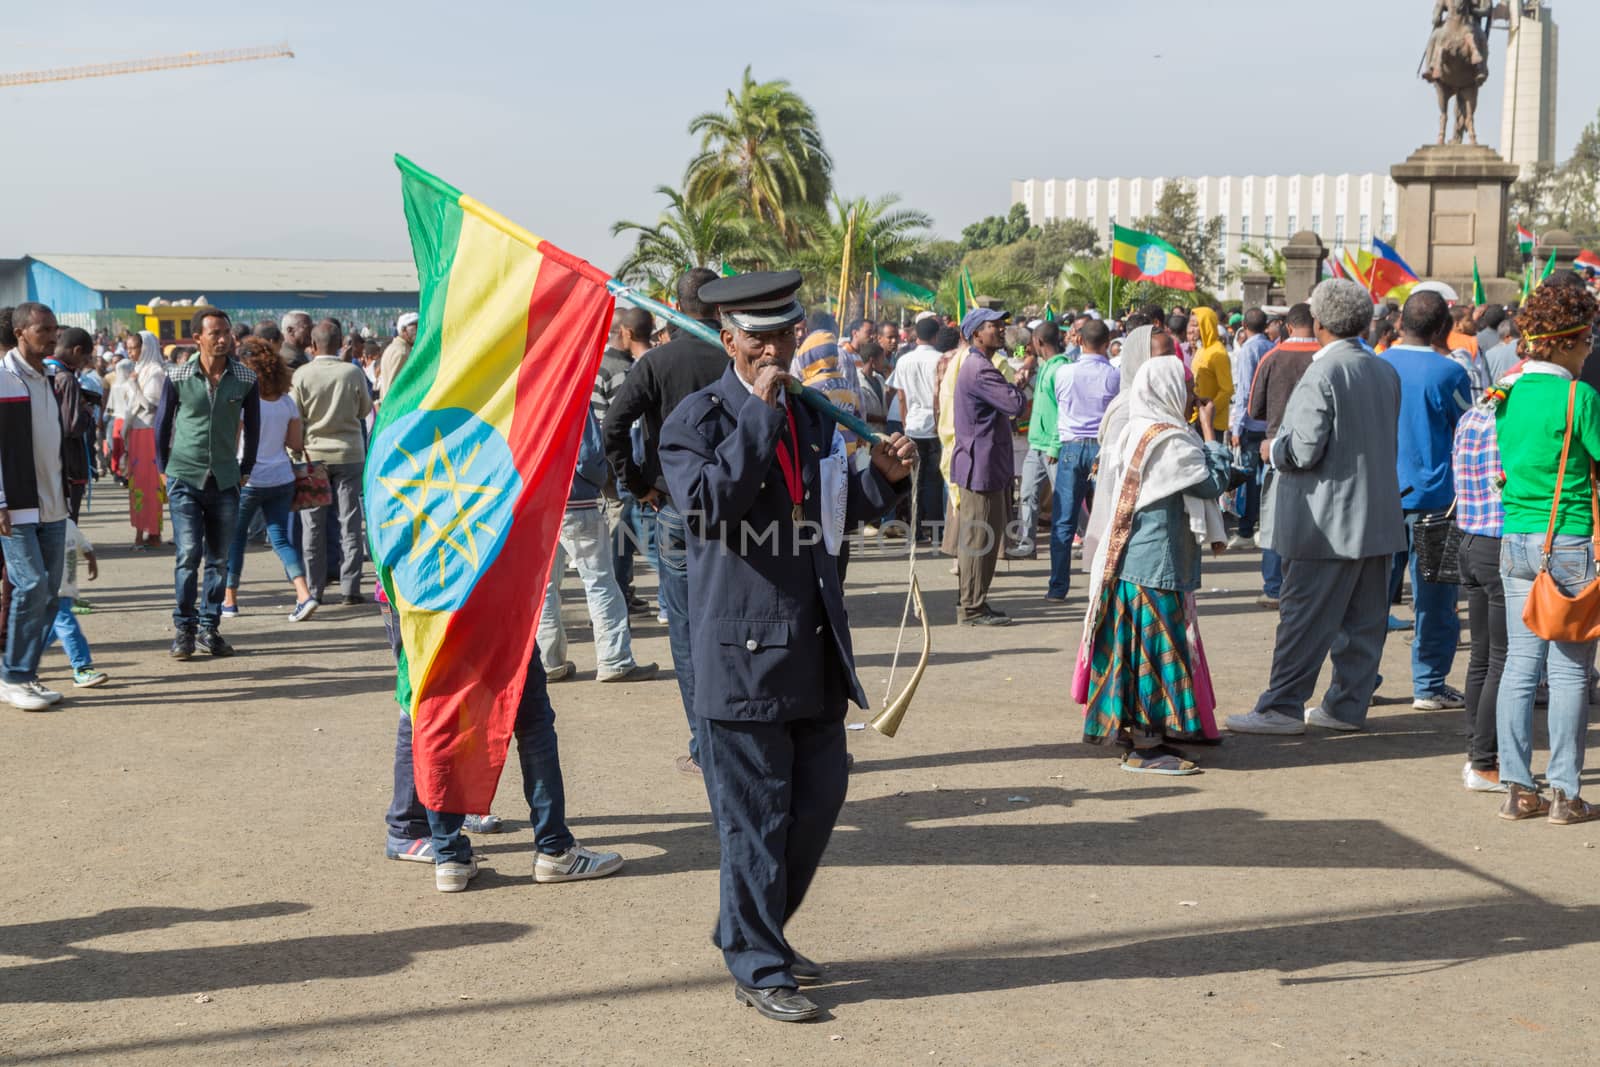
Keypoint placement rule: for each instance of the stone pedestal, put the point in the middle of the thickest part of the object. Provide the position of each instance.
(1558, 243)
(1452, 211)
(1256, 286)
(1302, 261)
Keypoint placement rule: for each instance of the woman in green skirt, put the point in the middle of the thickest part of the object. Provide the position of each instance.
(1160, 481)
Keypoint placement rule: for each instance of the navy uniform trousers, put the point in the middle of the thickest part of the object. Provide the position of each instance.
(775, 789)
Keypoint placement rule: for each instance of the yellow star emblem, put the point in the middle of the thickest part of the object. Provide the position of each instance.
(438, 486)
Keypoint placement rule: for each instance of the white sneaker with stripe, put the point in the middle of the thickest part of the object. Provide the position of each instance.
(575, 864)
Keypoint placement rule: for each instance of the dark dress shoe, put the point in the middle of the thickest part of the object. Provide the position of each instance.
(183, 645)
(213, 643)
(784, 1003)
(807, 970)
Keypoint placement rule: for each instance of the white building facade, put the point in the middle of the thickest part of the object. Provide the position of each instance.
(1258, 211)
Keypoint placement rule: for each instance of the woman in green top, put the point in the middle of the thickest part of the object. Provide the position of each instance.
(1556, 323)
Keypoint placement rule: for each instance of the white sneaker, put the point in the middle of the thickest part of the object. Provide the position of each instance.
(1265, 722)
(575, 864)
(49, 696)
(20, 696)
(1478, 782)
(1236, 542)
(1446, 699)
(1316, 716)
(453, 877)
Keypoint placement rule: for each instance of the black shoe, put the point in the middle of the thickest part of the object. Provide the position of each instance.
(988, 618)
(807, 970)
(213, 643)
(785, 1003)
(637, 606)
(183, 645)
(352, 599)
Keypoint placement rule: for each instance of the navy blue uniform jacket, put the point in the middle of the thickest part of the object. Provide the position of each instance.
(765, 602)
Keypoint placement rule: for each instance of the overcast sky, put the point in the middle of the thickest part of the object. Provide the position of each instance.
(565, 115)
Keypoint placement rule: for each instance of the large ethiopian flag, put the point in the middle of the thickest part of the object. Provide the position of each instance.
(1143, 257)
(471, 459)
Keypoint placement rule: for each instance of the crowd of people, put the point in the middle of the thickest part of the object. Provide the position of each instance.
(1338, 436)
(208, 433)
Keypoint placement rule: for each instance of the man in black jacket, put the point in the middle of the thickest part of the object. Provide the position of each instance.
(74, 348)
(659, 381)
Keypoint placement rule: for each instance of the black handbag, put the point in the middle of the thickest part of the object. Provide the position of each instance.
(1438, 547)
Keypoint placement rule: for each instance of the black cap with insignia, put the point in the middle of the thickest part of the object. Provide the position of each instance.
(758, 302)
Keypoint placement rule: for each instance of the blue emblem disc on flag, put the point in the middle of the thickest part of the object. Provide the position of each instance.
(1152, 260)
(440, 487)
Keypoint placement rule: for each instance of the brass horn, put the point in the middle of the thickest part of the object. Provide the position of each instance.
(887, 721)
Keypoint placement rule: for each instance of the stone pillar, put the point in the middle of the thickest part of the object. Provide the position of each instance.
(1256, 284)
(1303, 257)
(1559, 243)
(1452, 213)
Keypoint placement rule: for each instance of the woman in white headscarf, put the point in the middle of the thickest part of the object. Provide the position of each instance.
(142, 397)
(120, 379)
(1137, 650)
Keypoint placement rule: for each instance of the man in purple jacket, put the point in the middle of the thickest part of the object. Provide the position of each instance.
(981, 464)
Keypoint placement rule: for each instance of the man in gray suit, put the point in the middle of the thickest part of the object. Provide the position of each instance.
(1336, 520)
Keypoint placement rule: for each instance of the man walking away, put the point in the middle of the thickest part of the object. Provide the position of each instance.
(205, 403)
(1434, 393)
(33, 503)
(1336, 521)
(399, 350)
(1084, 389)
(333, 400)
(985, 404)
(1249, 432)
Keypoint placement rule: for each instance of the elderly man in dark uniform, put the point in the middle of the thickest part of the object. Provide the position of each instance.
(771, 644)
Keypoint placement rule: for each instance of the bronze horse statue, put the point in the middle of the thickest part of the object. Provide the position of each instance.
(1457, 63)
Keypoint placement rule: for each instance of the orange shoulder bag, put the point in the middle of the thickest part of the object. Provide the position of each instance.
(1550, 613)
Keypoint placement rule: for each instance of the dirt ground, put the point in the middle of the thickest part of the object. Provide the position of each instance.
(198, 876)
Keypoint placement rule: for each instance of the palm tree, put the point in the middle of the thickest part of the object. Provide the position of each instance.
(687, 234)
(864, 226)
(765, 147)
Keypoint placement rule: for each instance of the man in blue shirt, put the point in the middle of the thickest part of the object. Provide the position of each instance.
(1434, 393)
(1248, 433)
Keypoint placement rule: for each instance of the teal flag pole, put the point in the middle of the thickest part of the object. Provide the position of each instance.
(810, 397)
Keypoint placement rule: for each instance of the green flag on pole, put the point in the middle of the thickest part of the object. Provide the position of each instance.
(1478, 297)
(1549, 269)
(726, 271)
(1049, 312)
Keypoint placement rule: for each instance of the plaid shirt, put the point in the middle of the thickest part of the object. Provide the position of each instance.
(1475, 463)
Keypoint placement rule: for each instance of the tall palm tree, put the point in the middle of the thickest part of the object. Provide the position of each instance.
(766, 148)
(687, 234)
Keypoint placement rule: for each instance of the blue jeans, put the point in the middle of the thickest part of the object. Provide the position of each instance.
(1074, 485)
(66, 627)
(203, 520)
(541, 779)
(271, 504)
(1036, 471)
(672, 548)
(1528, 655)
(583, 540)
(1250, 460)
(1437, 628)
(34, 554)
(1271, 574)
(633, 531)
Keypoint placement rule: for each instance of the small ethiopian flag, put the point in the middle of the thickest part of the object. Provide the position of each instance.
(468, 473)
(1144, 257)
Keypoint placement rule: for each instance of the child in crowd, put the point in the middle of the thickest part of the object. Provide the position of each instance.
(66, 627)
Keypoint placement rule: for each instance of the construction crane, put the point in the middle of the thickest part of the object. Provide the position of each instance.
(141, 66)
